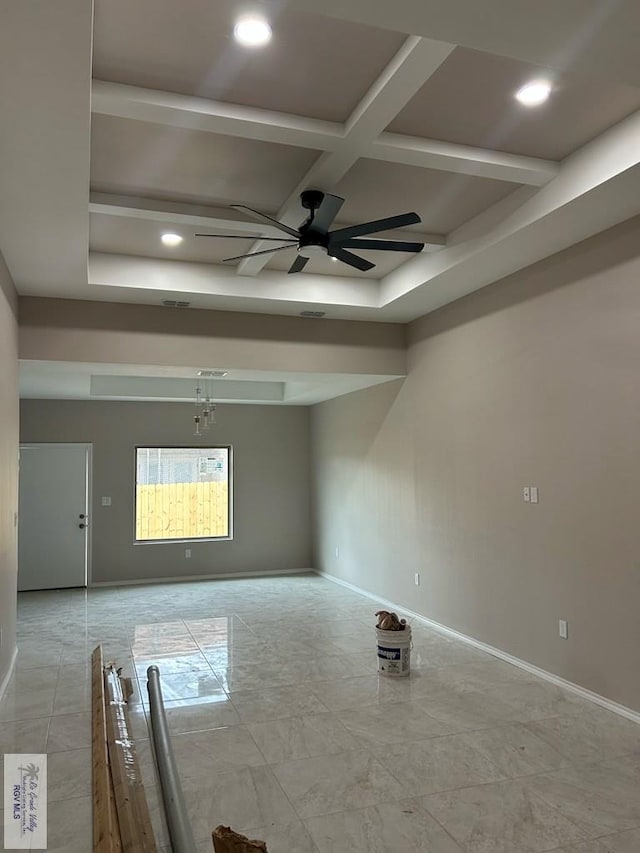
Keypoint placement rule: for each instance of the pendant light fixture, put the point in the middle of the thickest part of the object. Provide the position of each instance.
(205, 416)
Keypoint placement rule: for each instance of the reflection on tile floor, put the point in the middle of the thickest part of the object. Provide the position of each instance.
(283, 729)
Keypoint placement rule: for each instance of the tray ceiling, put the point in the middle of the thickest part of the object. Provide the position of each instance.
(148, 117)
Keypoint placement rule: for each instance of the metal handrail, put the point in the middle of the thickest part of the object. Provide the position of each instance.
(180, 832)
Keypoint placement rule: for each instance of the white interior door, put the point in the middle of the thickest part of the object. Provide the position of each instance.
(53, 533)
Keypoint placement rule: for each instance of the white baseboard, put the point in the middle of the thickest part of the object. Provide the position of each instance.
(7, 677)
(609, 704)
(191, 578)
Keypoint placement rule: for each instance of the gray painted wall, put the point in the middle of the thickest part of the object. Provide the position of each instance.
(533, 381)
(8, 466)
(271, 483)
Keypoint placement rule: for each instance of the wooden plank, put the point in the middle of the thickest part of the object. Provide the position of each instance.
(131, 803)
(180, 510)
(171, 510)
(207, 528)
(106, 830)
(193, 509)
(225, 840)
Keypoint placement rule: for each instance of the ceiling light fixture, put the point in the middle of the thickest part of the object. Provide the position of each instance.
(252, 31)
(171, 239)
(534, 93)
(205, 416)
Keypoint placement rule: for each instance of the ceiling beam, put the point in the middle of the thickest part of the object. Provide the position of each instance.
(462, 159)
(172, 110)
(213, 218)
(407, 72)
(178, 213)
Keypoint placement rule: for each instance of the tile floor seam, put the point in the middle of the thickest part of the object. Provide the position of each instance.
(462, 847)
(387, 799)
(566, 817)
(536, 795)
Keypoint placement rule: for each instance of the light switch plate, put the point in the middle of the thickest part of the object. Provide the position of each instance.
(534, 494)
(526, 494)
(563, 628)
(106, 501)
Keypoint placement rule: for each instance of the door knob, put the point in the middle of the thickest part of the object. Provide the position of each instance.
(82, 526)
(82, 515)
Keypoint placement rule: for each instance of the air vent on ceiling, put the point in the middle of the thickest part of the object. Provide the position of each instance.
(312, 313)
(212, 374)
(174, 303)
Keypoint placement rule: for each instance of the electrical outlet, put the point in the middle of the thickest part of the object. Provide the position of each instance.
(534, 494)
(105, 501)
(563, 627)
(187, 553)
(526, 494)
(417, 578)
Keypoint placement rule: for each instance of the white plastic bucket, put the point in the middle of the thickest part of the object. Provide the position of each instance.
(394, 651)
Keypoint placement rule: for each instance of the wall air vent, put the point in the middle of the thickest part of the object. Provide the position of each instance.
(212, 374)
(174, 303)
(312, 313)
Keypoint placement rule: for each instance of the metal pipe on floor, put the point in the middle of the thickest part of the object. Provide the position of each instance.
(182, 840)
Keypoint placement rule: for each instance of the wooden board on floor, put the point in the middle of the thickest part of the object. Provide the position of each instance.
(136, 831)
(106, 831)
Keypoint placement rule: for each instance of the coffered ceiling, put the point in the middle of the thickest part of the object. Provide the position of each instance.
(148, 117)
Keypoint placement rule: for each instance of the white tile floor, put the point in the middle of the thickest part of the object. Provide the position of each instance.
(283, 729)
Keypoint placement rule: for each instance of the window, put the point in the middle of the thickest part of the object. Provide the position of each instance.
(183, 493)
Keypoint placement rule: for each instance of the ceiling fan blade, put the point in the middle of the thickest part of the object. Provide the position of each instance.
(298, 265)
(376, 225)
(254, 254)
(262, 217)
(326, 213)
(250, 237)
(351, 259)
(380, 245)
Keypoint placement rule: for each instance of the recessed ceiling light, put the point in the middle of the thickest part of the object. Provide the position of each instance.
(171, 239)
(252, 31)
(534, 93)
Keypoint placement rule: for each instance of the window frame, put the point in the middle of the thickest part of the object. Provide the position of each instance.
(230, 501)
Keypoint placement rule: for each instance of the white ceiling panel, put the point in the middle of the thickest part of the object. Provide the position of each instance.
(186, 165)
(309, 69)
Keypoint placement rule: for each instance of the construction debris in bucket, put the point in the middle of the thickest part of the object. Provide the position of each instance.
(389, 621)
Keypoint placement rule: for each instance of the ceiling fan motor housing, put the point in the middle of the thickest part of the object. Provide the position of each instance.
(311, 199)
